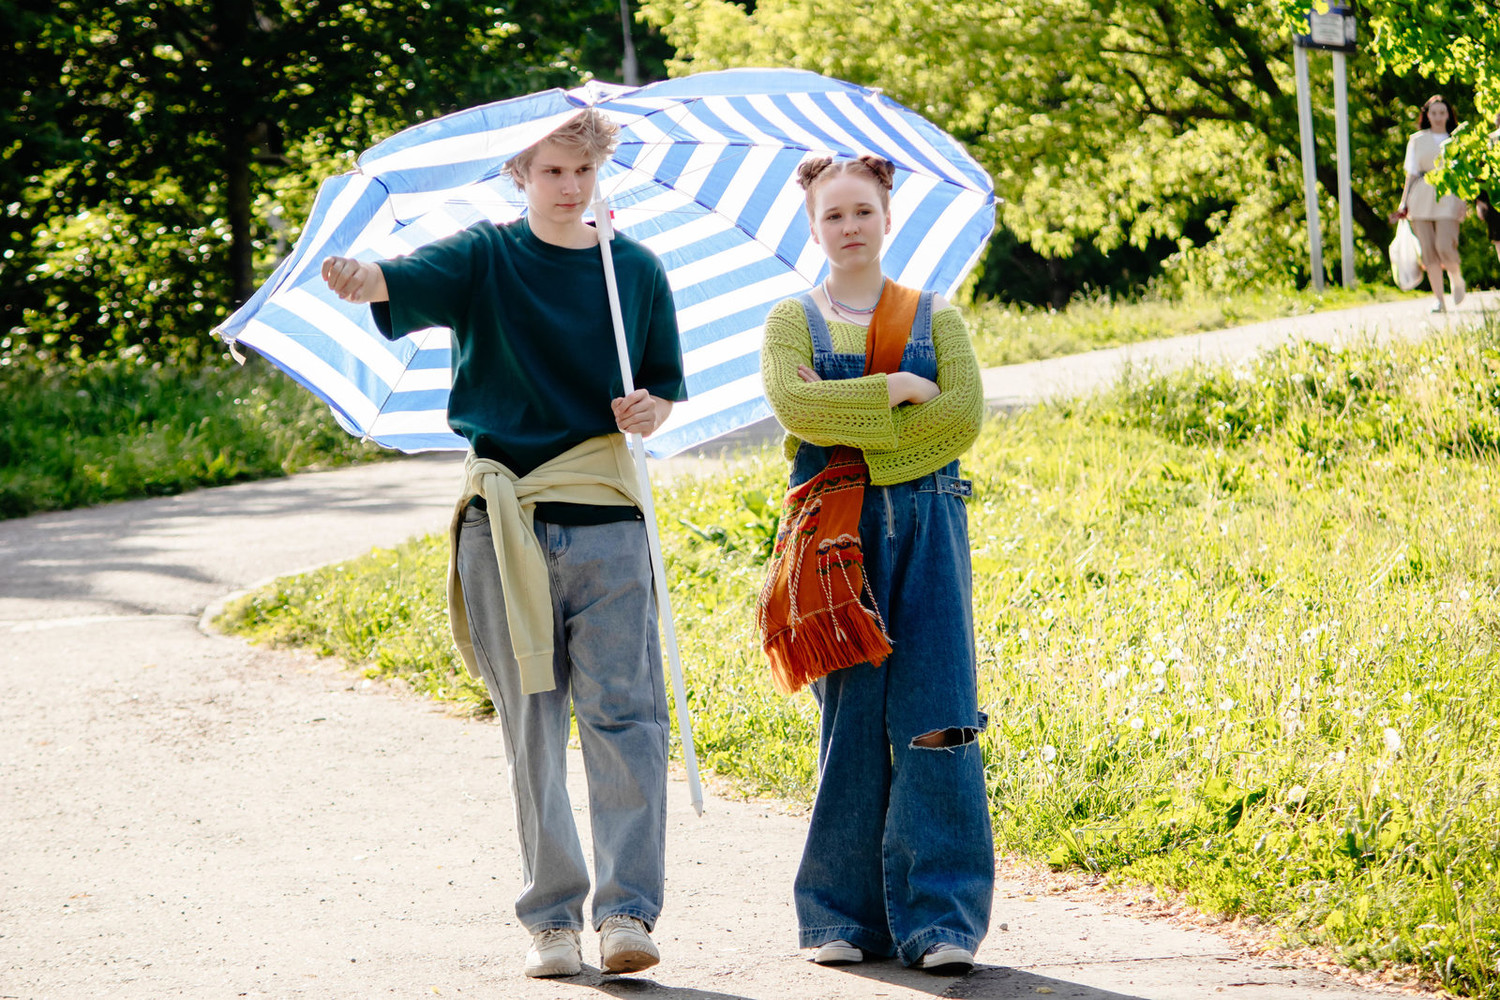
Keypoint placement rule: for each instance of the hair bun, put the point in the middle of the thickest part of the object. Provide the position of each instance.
(808, 171)
(882, 169)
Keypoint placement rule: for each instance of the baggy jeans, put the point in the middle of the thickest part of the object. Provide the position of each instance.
(900, 854)
(607, 665)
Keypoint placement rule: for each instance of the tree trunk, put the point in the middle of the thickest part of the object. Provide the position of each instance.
(237, 170)
(1370, 222)
(230, 36)
(628, 65)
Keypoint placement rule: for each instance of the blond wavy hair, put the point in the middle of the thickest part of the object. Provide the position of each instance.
(588, 132)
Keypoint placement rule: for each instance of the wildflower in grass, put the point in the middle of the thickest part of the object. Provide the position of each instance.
(1049, 753)
(1137, 723)
(1226, 705)
(1392, 740)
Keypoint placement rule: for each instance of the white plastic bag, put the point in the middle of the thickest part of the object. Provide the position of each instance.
(1406, 257)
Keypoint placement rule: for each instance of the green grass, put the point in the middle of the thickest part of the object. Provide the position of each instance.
(1007, 334)
(82, 434)
(1237, 634)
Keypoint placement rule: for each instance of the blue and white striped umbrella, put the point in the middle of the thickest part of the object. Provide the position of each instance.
(703, 175)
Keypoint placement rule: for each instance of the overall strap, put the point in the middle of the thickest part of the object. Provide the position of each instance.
(921, 324)
(822, 342)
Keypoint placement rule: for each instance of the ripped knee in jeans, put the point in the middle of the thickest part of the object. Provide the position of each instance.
(946, 739)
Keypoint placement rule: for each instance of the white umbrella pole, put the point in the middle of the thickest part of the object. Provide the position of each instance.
(658, 570)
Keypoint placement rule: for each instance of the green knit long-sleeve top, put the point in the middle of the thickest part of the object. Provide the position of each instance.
(899, 443)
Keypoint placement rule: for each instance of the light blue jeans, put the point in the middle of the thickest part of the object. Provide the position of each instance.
(607, 665)
(899, 854)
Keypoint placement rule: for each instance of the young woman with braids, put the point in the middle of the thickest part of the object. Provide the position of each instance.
(899, 857)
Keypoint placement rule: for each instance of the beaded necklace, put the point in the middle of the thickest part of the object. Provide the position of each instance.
(857, 315)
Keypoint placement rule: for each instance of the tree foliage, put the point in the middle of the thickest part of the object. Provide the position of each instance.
(1104, 122)
(152, 142)
(1456, 45)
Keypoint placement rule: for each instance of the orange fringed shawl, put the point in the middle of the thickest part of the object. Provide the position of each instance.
(813, 614)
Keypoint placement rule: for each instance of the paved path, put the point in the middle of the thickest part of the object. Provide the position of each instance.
(1022, 385)
(184, 815)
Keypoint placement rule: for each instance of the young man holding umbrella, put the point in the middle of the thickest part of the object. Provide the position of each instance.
(550, 588)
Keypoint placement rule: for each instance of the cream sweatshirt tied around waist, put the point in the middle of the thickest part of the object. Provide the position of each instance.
(598, 471)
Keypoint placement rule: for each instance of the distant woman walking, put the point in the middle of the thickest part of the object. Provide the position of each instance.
(880, 391)
(1435, 220)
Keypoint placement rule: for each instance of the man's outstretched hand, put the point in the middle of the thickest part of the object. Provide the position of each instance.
(354, 280)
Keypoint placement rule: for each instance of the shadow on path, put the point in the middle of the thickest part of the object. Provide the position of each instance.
(591, 979)
(986, 982)
(167, 553)
(991, 982)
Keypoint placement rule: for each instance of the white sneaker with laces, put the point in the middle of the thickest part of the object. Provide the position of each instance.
(554, 952)
(624, 945)
(838, 953)
(947, 960)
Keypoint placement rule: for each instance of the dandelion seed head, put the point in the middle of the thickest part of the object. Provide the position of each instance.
(1049, 753)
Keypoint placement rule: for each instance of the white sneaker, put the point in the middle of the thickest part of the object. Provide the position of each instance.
(1459, 289)
(838, 953)
(624, 945)
(554, 952)
(947, 960)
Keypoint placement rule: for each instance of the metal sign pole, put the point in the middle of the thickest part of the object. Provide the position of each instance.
(1346, 214)
(1309, 168)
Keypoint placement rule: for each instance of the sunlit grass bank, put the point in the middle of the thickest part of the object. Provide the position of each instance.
(72, 436)
(1007, 334)
(1237, 635)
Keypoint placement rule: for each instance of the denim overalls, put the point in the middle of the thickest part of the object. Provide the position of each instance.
(900, 855)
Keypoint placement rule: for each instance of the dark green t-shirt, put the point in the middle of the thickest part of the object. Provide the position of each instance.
(534, 358)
